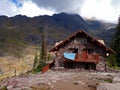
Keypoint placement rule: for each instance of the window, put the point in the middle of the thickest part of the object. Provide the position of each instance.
(75, 50)
(90, 51)
(82, 40)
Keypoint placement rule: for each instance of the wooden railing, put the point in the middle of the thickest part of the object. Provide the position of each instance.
(93, 58)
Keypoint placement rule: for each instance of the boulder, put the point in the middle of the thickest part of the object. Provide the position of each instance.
(100, 66)
(108, 86)
(116, 79)
(26, 88)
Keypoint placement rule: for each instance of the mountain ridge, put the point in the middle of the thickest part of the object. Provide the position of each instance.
(21, 29)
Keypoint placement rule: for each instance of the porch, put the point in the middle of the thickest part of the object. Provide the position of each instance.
(86, 61)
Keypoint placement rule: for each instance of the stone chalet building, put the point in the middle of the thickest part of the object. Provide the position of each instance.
(81, 50)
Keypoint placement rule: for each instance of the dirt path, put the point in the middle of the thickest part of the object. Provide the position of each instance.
(71, 84)
(77, 81)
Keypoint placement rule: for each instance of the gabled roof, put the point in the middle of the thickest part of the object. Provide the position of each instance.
(57, 47)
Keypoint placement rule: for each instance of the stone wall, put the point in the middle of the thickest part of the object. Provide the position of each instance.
(74, 43)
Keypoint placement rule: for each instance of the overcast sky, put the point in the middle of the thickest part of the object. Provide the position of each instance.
(107, 10)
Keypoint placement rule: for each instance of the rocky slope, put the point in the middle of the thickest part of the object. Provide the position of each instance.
(62, 80)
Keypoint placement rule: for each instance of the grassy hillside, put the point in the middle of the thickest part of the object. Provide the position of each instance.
(11, 65)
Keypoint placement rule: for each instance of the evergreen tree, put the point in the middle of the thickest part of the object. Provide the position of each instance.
(40, 59)
(35, 60)
(116, 43)
(43, 52)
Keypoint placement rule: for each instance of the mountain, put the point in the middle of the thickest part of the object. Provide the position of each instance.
(19, 31)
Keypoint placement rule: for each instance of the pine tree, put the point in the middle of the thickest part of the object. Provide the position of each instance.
(43, 52)
(39, 61)
(116, 43)
(35, 60)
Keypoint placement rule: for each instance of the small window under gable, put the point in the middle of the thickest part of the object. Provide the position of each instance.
(82, 40)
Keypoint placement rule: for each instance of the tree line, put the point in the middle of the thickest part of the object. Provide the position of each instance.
(114, 60)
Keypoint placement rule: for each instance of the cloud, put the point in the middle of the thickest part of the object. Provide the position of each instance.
(116, 6)
(70, 6)
(100, 9)
(31, 9)
(115, 3)
(7, 8)
(23, 7)
(108, 10)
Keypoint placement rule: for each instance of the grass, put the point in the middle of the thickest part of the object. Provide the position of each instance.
(117, 68)
(11, 65)
(4, 88)
(108, 80)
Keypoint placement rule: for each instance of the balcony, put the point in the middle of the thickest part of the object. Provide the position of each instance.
(92, 58)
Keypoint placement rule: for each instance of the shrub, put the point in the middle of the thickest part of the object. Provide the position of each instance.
(111, 61)
(4, 88)
(39, 66)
